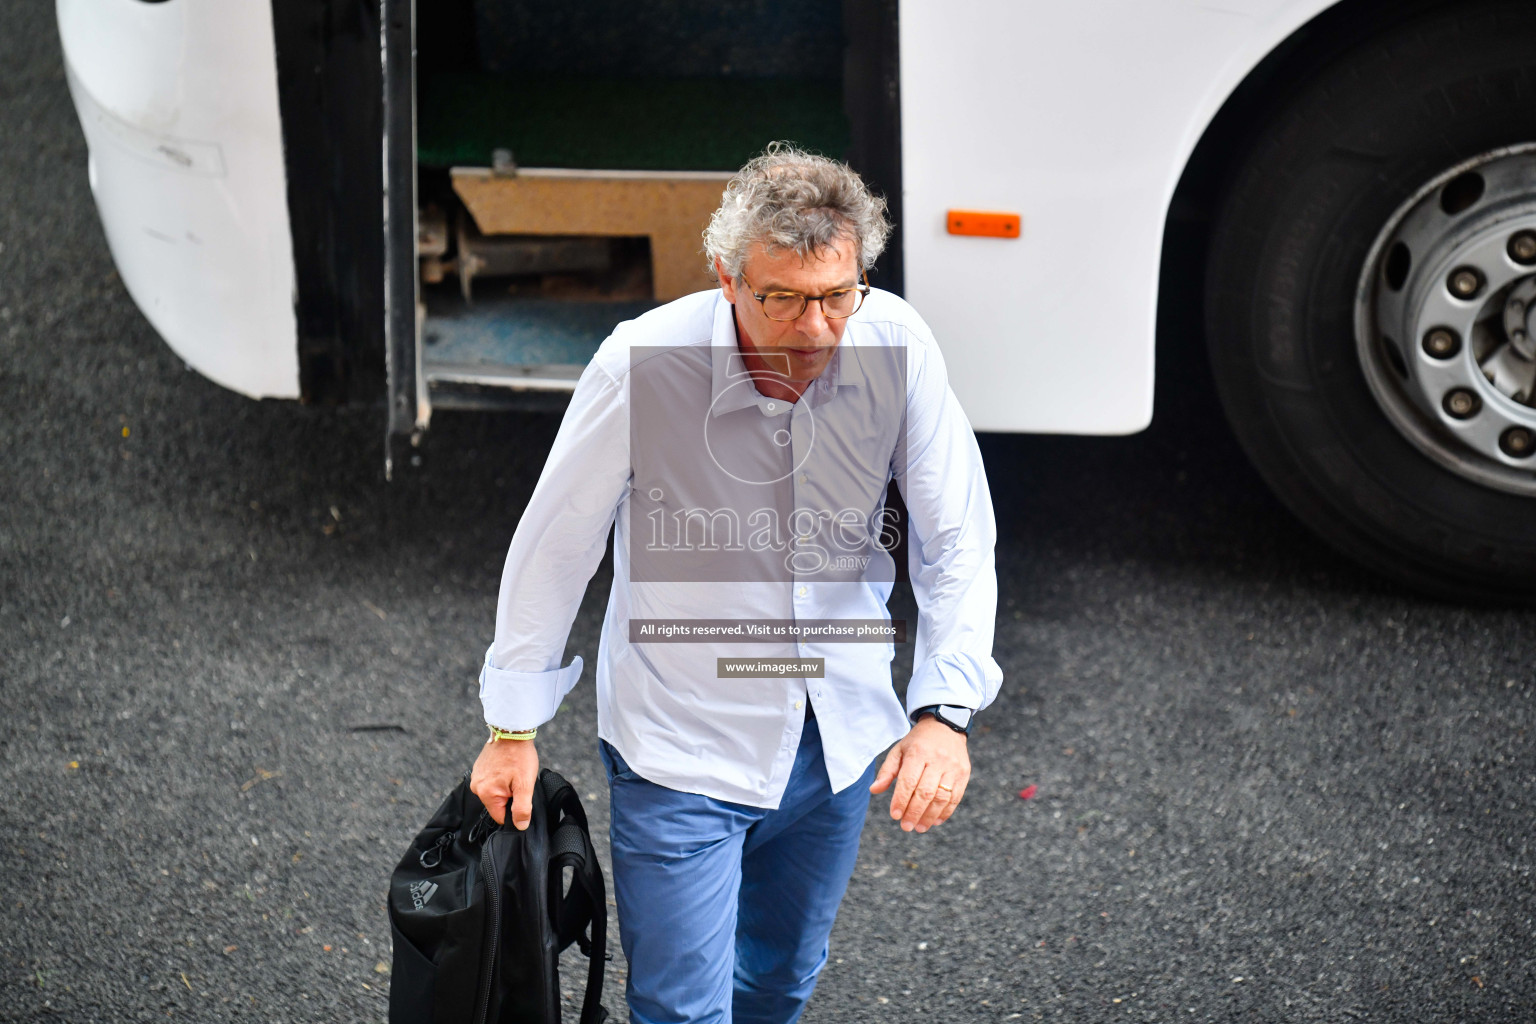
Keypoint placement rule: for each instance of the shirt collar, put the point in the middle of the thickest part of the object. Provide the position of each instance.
(728, 369)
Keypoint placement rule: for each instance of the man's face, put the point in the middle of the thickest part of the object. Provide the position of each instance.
(800, 348)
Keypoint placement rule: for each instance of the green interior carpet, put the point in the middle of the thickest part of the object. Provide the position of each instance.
(680, 124)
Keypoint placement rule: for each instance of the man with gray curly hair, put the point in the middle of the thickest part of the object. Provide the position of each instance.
(793, 201)
(740, 442)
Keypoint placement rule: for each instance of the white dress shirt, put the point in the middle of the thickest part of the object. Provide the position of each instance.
(659, 426)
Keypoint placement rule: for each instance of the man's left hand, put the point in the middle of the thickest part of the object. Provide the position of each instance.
(931, 767)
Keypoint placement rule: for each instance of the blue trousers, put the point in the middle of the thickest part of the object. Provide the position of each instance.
(725, 909)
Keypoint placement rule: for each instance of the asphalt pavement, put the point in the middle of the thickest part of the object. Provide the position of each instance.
(239, 672)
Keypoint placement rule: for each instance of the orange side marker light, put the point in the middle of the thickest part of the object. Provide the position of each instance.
(984, 223)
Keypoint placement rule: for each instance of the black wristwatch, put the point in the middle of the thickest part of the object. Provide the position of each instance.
(957, 718)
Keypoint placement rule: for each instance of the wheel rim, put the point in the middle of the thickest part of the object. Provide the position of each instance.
(1445, 319)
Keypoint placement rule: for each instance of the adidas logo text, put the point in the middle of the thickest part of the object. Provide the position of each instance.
(422, 893)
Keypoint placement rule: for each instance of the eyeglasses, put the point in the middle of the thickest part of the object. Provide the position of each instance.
(838, 304)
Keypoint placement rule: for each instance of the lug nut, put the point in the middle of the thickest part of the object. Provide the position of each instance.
(1461, 404)
(1517, 443)
(1441, 343)
(1465, 282)
(1522, 247)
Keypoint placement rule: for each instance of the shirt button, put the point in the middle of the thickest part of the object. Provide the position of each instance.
(802, 591)
(799, 704)
(805, 477)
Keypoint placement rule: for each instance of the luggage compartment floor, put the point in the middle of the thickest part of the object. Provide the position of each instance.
(506, 332)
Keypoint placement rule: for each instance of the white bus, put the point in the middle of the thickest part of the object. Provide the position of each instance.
(459, 224)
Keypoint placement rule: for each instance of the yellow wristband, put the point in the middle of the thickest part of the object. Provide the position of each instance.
(508, 734)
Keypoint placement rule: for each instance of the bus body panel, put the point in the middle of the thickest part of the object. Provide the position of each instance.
(1081, 118)
(178, 102)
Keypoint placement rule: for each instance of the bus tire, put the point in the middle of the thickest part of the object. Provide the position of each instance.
(1325, 263)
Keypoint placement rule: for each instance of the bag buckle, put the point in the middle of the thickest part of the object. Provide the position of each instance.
(433, 855)
(482, 827)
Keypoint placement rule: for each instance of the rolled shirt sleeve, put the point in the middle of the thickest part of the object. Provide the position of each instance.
(527, 698)
(556, 548)
(952, 540)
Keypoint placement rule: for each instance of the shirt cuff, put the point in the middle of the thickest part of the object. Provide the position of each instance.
(524, 700)
(961, 680)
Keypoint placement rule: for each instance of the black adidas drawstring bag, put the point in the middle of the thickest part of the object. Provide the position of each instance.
(480, 913)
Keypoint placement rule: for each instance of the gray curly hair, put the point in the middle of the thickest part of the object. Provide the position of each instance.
(794, 201)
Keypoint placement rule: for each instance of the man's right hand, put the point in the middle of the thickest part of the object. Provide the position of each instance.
(506, 770)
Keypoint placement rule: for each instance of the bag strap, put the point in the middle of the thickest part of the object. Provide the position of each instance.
(587, 902)
(560, 797)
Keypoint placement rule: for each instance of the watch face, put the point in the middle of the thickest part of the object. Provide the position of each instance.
(957, 718)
